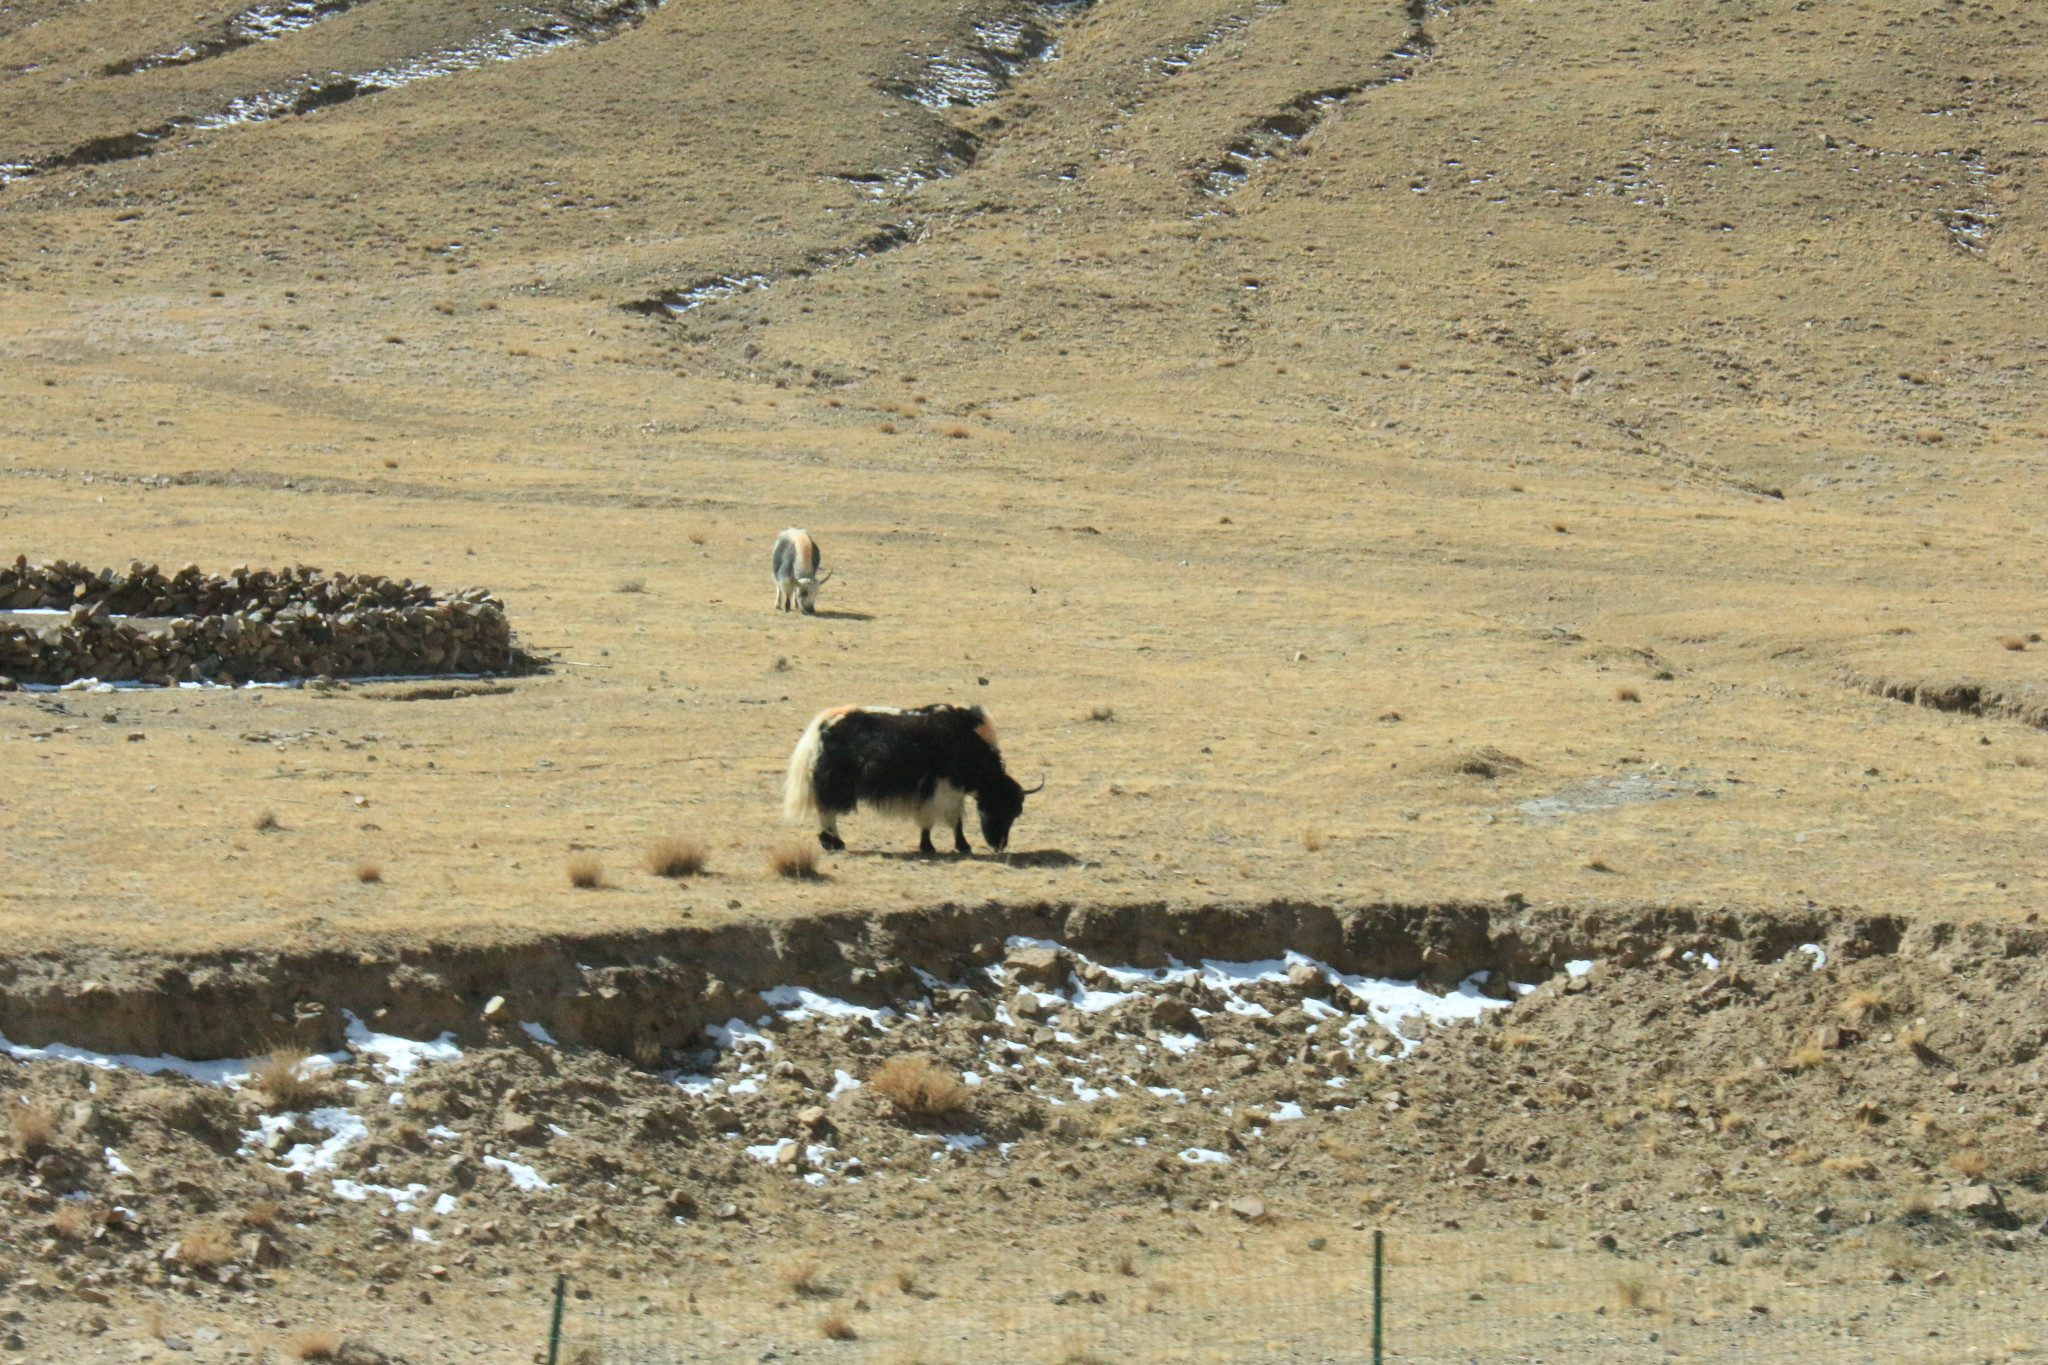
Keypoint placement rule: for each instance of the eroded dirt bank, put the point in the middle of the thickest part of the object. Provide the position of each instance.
(648, 994)
(1047, 1133)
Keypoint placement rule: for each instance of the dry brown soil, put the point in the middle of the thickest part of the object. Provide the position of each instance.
(1553, 468)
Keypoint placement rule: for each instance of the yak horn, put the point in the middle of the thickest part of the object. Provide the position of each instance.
(1039, 788)
(825, 577)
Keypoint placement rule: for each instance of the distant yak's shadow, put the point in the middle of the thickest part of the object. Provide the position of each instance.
(843, 615)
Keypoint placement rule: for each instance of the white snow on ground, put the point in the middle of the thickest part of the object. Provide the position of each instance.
(769, 1151)
(797, 1003)
(538, 1033)
(401, 1055)
(733, 1032)
(1820, 954)
(401, 1200)
(444, 1205)
(1289, 1110)
(523, 1177)
(1387, 1002)
(229, 1071)
(1195, 1156)
(116, 1165)
(342, 1127)
(1579, 966)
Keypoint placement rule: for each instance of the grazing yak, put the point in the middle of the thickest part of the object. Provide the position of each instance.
(795, 562)
(920, 764)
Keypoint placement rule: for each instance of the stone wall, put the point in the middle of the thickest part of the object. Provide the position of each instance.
(247, 625)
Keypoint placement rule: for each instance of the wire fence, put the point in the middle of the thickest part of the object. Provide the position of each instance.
(1412, 1298)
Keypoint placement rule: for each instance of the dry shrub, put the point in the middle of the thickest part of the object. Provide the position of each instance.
(677, 857)
(837, 1328)
(794, 859)
(1735, 1123)
(262, 1213)
(1854, 1167)
(799, 1275)
(1627, 693)
(1806, 1056)
(284, 1078)
(1102, 714)
(698, 538)
(1631, 1293)
(266, 822)
(73, 1220)
(1866, 1005)
(314, 1343)
(1915, 1208)
(905, 1282)
(2015, 643)
(369, 873)
(33, 1126)
(586, 871)
(632, 585)
(960, 434)
(1516, 1040)
(1312, 840)
(204, 1247)
(1559, 527)
(917, 1084)
(1969, 1162)
(886, 428)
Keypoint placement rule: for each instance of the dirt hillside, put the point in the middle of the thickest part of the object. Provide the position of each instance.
(1577, 461)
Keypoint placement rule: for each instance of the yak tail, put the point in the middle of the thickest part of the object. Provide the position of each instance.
(800, 786)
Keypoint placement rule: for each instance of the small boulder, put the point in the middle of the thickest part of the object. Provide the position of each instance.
(1045, 967)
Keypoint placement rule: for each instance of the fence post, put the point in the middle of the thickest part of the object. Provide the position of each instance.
(562, 1289)
(1379, 1260)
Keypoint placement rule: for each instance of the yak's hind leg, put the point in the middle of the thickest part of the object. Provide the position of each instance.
(924, 841)
(828, 832)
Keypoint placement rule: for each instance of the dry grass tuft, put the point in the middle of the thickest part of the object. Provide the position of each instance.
(1631, 1293)
(1866, 1005)
(262, 1213)
(586, 871)
(266, 822)
(1102, 714)
(1969, 1162)
(1854, 1167)
(917, 1084)
(283, 1077)
(698, 538)
(632, 585)
(677, 857)
(905, 1282)
(33, 1126)
(886, 428)
(314, 1343)
(835, 1327)
(1312, 840)
(1806, 1056)
(1735, 1123)
(794, 859)
(2015, 643)
(799, 1275)
(1559, 527)
(1517, 1040)
(1627, 693)
(369, 873)
(956, 433)
(73, 1220)
(204, 1247)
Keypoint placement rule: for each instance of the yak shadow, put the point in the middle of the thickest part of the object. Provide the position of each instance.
(843, 615)
(1047, 857)
(1043, 857)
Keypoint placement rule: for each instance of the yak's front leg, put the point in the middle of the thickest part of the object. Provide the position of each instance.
(924, 842)
(828, 832)
(960, 844)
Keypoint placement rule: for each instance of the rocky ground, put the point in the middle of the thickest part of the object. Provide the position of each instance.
(1701, 1148)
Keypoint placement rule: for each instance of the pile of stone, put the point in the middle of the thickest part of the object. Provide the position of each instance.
(247, 625)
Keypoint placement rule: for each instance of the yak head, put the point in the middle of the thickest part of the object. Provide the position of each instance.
(1000, 803)
(807, 591)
